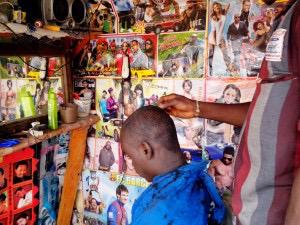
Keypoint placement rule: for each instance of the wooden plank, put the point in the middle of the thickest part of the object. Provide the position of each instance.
(77, 148)
(31, 140)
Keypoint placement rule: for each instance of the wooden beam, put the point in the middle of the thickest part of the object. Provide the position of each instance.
(77, 149)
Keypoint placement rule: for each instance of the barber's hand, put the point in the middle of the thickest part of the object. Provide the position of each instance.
(179, 106)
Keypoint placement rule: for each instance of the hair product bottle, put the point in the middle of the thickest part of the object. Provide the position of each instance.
(52, 111)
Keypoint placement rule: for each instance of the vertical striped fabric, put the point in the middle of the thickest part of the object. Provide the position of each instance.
(265, 161)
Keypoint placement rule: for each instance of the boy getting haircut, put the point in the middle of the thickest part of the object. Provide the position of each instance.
(180, 193)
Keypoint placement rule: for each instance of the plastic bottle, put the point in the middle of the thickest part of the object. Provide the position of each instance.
(52, 111)
(27, 103)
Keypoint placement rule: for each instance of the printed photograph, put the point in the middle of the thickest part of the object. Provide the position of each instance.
(4, 176)
(22, 171)
(4, 203)
(116, 100)
(53, 162)
(22, 196)
(103, 154)
(153, 16)
(126, 165)
(238, 36)
(23, 218)
(114, 197)
(84, 94)
(181, 54)
(112, 56)
(229, 91)
(190, 133)
(8, 99)
(12, 67)
(190, 88)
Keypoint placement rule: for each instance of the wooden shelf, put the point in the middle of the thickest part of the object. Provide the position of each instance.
(31, 140)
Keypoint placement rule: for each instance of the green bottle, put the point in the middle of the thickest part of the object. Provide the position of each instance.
(27, 103)
(52, 111)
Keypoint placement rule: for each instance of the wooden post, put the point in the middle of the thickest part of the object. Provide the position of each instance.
(77, 148)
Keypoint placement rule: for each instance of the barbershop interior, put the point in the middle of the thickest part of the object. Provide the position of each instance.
(106, 112)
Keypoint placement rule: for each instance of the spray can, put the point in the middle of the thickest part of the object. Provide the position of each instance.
(52, 111)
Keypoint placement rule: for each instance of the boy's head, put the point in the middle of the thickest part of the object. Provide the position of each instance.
(149, 138)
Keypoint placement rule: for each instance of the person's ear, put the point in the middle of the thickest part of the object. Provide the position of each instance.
(146, 150)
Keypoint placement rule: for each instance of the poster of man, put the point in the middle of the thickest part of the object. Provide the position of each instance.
(238, 34)
(103, 154)
(181, 54)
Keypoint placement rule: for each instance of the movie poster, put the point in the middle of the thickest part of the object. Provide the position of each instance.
(17, 188)
(12, 67)
(227, 91)
(238, 35)
(100, 16)
(117, 99)
(181, 54)
(152, 16)
(108, 195)
(53, 160)
(111, 55)
(84, 93)
(8, 99)
(32, 95)
(103, 154)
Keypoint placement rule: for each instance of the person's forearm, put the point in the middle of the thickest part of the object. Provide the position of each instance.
(293, 211)
(234, 114)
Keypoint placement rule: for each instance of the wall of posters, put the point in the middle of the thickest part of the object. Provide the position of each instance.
(24, 88)
(53, 162)
(204, 50)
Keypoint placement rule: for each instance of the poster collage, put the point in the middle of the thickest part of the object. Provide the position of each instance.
(53, 162)
(207, 51)
(18, 189)
(23, 87)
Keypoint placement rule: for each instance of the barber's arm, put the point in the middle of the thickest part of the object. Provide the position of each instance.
(183, 107)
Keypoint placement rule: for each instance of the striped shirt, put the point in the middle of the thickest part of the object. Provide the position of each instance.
(265, 162)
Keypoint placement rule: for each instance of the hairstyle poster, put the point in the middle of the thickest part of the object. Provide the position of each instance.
(238, 35)
(181, 54)
(152, 16)
(110, 56)
(229, 91)
(108, 197)
(17, 188)
(53, 162)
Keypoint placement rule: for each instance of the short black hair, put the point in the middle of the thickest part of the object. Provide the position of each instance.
(121, 188)
(104, 91)
(151, 123)
(23, 162)
(1, 171)
(2, 197)
(229, 150)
